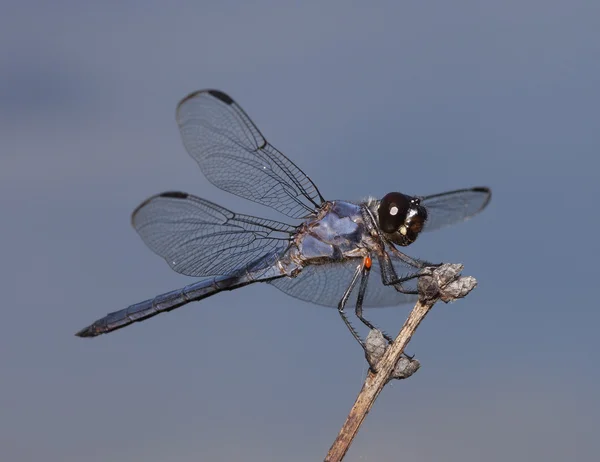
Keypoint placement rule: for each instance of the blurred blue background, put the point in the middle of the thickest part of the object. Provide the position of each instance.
(419, 97)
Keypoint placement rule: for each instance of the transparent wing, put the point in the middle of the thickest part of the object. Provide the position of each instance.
(199, 238)
(234, 155)
(455, 206)
(325, 284)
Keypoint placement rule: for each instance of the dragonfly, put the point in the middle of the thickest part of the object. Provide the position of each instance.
(335, 253)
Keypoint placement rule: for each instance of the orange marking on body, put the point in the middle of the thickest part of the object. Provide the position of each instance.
(368, 262)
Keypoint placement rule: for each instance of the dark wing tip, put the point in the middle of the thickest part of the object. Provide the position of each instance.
(221, 96)
(218, 94)
(484, 190)
(171, 194)
(224, 97)
(174, 195)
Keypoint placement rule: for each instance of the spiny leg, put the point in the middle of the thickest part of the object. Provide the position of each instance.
(365, 272)
(344, 300)
(390, 278)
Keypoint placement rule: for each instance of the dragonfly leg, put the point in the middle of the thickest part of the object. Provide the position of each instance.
(389, 277)
(411, 261)
(365, 272)
(344, 300)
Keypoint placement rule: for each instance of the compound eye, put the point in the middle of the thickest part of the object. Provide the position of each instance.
(392, 211)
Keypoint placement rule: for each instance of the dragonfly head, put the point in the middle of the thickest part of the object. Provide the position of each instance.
(401, 218)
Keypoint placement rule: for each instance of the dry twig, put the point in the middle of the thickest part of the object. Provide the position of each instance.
(441, 283)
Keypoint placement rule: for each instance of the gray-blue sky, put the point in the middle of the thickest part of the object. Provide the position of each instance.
(431, 96)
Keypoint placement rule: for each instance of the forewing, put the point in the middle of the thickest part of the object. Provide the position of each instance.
(325, 284)
(455, 206)
(235, 156)
(199, 238)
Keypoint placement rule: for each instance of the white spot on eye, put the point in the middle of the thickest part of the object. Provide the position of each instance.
(393, 210)
(403, 230)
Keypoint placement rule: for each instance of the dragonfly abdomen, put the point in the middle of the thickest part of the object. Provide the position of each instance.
(172, 300)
